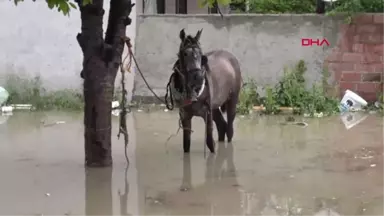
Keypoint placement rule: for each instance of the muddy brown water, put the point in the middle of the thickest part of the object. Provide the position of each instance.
(269, 169)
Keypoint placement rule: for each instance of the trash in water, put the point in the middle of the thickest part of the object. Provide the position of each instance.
(351, 102)
(316, 115)
(115, 104)
(116, 112)
(21, 106)
(6, 109)
(166, 110)
(373, 165)
(52, 124)
(290, 120)
(139, 110)
(351, 119)
(3, 95)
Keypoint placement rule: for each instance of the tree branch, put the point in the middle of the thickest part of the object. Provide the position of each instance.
(91, 24)
(117, 22)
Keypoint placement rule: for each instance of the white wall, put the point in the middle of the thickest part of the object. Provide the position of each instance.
(39, 41)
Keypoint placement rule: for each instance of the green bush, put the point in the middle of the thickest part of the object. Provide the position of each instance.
(248, 97)
(358, 6)
(282, 6)
(291, 91)
(308, 6)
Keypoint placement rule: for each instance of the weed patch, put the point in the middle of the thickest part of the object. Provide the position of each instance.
(31, 91)
(291, 92)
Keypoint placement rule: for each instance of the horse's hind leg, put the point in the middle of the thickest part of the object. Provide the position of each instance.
(231, 114)
(221, 124)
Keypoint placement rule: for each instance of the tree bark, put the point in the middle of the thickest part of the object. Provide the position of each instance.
(101, 60)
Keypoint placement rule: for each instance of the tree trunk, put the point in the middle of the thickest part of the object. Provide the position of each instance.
(102, 58)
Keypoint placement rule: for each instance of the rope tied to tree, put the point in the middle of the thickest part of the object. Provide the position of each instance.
(123, 114)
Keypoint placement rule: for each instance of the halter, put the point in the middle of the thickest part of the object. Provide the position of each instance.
(188, 43)
(172, 92)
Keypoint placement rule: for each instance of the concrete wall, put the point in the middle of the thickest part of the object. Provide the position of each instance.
(264, 44)
(38, 41)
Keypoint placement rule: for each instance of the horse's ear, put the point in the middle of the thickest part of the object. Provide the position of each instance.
(204, 60)
(182, 35)
(198, 34)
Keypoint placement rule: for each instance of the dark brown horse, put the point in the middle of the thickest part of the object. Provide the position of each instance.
(205, 85)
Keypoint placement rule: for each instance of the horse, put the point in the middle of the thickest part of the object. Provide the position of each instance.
(205, 85)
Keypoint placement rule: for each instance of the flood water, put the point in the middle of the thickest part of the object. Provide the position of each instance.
(269, 169)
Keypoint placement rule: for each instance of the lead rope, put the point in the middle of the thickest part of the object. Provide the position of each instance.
(209, 110)
(205, 136)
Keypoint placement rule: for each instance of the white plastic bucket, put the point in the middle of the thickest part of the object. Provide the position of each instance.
(351, 102)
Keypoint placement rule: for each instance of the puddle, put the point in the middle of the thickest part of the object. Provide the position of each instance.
(270, 169)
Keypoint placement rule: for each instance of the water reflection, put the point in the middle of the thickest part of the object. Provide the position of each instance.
(219, 195)
(124, 196)
(98, 191)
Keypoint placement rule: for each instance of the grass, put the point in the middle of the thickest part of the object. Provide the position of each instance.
(31, 91)
(291, 91)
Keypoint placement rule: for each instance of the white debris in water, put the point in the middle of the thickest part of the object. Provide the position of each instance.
(115, 104)
(47, 194)
(373, 165)
(6, 109)
(116, 112)
(166, 110)
(52, 124)
(319, 115)
(139, 110)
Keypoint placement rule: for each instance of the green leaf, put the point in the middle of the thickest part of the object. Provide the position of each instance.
(72, 5)
(211, 3)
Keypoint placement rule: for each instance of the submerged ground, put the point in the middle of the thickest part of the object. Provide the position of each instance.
(270, 169)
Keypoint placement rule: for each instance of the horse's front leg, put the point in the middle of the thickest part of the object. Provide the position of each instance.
(209, 131)
(186, 122)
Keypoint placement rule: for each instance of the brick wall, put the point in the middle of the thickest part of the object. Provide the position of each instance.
(357, 60)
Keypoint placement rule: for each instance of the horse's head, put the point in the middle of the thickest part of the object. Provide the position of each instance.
(192, 64)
